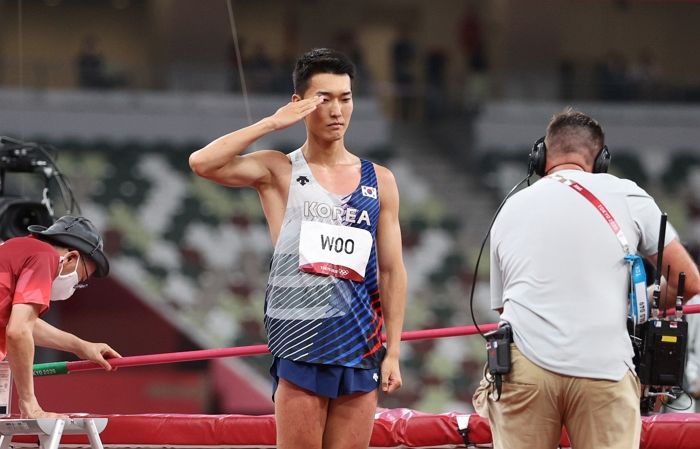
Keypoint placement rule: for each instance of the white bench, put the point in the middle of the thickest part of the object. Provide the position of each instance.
(50, 431)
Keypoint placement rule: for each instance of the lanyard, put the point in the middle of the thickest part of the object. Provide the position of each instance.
(600, 207)
(638, 293)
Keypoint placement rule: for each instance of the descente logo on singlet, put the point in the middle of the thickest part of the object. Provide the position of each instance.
(322, 210)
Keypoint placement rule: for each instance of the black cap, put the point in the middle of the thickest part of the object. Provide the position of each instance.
(75, 233)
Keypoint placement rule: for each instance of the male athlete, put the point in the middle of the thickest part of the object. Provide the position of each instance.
(333, 219)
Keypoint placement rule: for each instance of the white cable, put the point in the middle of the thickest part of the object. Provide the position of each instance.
(20, 58)
(239, 60)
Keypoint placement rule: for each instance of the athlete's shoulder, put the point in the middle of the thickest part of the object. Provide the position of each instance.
(277, 162)
(272, 156)
(387, 186)
(384, 175)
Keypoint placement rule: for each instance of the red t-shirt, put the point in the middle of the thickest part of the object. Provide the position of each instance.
(28, 268)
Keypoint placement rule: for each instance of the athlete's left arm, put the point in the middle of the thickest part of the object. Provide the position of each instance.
(392, 276)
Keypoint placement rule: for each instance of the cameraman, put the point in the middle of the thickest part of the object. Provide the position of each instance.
(35, 270)
(559, 277)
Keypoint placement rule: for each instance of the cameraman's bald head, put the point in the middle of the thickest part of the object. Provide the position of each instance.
(573, 134)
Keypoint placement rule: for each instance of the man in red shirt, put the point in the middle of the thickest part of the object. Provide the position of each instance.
(46, 266)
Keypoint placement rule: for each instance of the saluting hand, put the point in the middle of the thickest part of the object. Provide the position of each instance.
(294, 111)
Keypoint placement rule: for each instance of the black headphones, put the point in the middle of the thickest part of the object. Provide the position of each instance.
(538, 159)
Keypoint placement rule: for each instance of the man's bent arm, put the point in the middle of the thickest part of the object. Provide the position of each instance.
(392, 273)
(221, 160)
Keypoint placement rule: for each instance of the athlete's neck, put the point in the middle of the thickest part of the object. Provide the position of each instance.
(565, 166)
(330, 155)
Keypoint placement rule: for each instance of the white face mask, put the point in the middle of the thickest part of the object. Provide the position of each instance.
(63, 286)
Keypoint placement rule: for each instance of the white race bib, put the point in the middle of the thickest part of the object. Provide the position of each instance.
(332, 250)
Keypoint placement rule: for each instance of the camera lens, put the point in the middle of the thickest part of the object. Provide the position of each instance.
(18, 215)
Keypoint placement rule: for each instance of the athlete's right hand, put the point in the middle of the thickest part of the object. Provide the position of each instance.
(294, 111)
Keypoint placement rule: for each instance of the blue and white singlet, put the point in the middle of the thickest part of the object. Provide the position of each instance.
(322, 301)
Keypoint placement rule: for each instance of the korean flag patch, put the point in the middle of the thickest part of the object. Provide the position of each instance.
(370, 192)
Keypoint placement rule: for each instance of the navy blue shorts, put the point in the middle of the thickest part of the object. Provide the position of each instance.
(329, 381)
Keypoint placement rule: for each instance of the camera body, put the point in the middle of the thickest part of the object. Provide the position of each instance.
(16, 158)
(662, 352)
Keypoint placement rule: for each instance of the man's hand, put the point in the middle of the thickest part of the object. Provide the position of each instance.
(294, 111)
(98, 353)
(391, 374)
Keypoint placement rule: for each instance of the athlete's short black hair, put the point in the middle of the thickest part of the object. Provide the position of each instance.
(320, 60)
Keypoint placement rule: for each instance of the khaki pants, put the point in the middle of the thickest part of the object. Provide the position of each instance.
(536, 403)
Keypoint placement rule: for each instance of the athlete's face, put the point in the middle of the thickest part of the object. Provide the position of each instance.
(332, 117)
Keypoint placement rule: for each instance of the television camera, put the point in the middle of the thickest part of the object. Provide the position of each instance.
(19, 209)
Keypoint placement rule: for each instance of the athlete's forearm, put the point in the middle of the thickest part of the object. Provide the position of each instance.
(221, 151)
(393, 291)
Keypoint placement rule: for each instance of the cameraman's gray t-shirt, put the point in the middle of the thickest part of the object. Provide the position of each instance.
(558, 272)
